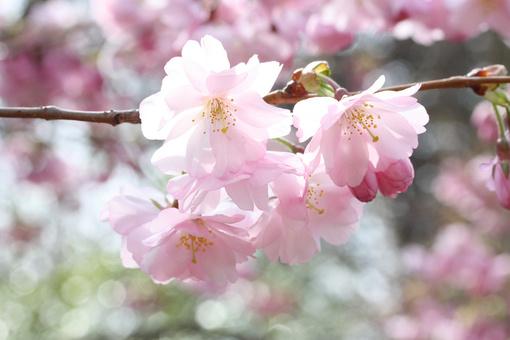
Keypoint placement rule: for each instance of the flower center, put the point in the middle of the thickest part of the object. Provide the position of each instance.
(312, 198)
(194, 243)
(220, 114)
(358, 119)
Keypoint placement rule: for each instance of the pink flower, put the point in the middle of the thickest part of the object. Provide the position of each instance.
(361, 130)
(308, 208)
(502, 183)
(204, 248)
(216, 110)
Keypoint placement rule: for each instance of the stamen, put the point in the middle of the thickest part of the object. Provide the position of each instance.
(313, 196)
(194, 243)
(359, 119)
(220, 114)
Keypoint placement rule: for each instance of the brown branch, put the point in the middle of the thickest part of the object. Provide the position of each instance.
(278, 97)
(456, 82)
(112, 117)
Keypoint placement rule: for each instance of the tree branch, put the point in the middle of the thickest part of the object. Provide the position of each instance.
(112, 117)
(279, 97)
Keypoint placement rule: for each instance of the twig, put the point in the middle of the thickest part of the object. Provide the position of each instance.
(278, 97)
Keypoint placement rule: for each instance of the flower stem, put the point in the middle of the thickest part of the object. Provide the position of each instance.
(292, 147)
(501, 124)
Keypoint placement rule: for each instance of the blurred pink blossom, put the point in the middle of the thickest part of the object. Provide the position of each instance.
(460, 259)
(464, 187)
(502, 183)
(484, 120)
(57, 76)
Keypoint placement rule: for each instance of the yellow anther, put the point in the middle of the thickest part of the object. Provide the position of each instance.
(219, 112)
(194, 243)
(312, 198)
(358, 119)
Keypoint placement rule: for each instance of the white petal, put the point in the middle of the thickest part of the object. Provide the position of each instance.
(308, 114)
(215, 54)
(155, 116)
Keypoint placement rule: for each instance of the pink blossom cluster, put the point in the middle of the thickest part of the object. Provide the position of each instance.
(43, 63)
(230, 195)
(461, 283)
(463, 186)
(459, 258)
(459, 265)
(278, 30)
(428, 318)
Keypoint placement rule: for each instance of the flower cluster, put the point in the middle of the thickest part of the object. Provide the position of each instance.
(461, 283)
(458, 265)
(230, 194)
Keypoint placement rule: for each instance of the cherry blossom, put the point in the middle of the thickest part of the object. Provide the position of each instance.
(218, 110)
(357, 131)
(204, 248)
(308, 208)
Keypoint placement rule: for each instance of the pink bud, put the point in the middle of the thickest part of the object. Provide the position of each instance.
(396, 178)
(367, 189)
(502, 185)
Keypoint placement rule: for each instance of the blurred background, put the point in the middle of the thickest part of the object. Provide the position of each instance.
(433, 263)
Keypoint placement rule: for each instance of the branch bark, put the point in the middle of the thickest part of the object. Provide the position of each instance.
(278, 97)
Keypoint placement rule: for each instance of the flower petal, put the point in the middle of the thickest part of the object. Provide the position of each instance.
(155, 116)
(308, 115)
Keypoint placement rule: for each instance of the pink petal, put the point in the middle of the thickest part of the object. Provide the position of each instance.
(181, 95)
(218, 84)
(253, 110)
(346, 159)
(167, 261)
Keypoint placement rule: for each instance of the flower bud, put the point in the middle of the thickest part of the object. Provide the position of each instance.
(367, 189)
(502, 183)
(313, 78)
(396, 178)
(488, 71)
